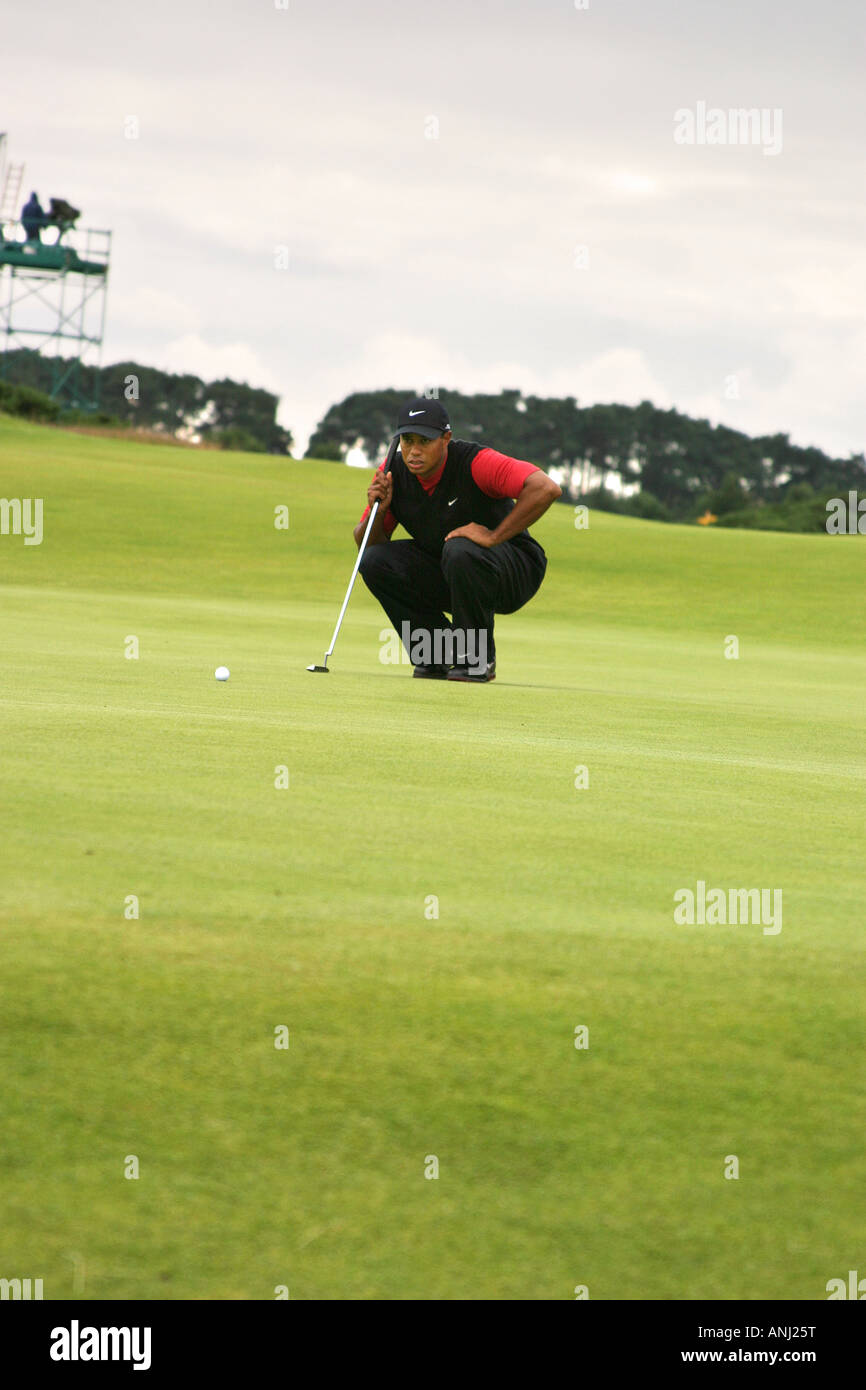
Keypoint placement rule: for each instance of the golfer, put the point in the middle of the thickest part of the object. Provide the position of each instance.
(470, 554)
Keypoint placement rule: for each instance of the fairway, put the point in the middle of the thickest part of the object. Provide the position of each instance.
(406, 877)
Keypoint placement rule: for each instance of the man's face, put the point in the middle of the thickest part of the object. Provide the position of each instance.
(423, 456)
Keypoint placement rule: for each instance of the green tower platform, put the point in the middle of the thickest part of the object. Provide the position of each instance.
(52, 300)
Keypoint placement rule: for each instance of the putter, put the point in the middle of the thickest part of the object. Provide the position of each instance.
(361, 548)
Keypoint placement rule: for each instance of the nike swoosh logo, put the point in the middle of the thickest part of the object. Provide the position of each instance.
(417, 412)
(453, 500)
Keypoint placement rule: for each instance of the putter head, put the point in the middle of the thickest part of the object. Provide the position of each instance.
(319, 668)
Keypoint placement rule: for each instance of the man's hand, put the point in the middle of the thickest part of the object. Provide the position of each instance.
(482, 535)
(537, 494)
(381, 490)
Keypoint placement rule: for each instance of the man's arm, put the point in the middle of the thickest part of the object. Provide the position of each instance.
(539, 492)
(378, 534)
(536, 496)
(380, 490)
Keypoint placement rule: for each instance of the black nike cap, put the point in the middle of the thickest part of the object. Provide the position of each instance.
(422, 416)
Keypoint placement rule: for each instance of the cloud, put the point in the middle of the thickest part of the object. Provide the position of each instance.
(416, 361)
(415, 260)
(147, 308)
(212, 361)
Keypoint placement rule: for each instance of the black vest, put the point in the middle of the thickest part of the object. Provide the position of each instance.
(455, 501)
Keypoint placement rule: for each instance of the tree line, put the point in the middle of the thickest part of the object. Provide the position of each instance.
(225, 412)
(659, 464)
(640, 460)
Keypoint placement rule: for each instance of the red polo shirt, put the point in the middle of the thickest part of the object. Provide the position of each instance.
(495, 473)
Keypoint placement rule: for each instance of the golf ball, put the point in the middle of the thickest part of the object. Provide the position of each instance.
(222, 673)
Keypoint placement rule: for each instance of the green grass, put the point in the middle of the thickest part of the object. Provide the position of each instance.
(412, 1036)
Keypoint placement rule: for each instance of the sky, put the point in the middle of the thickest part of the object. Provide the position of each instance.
(326, 196)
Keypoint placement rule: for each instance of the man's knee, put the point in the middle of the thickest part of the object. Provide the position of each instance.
(461, 553)
(375, 560)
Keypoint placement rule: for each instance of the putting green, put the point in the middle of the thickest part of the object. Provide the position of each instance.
(431, 907)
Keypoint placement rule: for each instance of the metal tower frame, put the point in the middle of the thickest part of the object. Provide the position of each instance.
(55, 294)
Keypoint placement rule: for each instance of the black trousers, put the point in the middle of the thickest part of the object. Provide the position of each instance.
(471, 582)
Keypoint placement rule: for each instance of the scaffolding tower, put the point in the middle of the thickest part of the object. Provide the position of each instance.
(53, 296)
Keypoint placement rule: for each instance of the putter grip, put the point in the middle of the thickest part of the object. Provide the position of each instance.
(387, 469)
